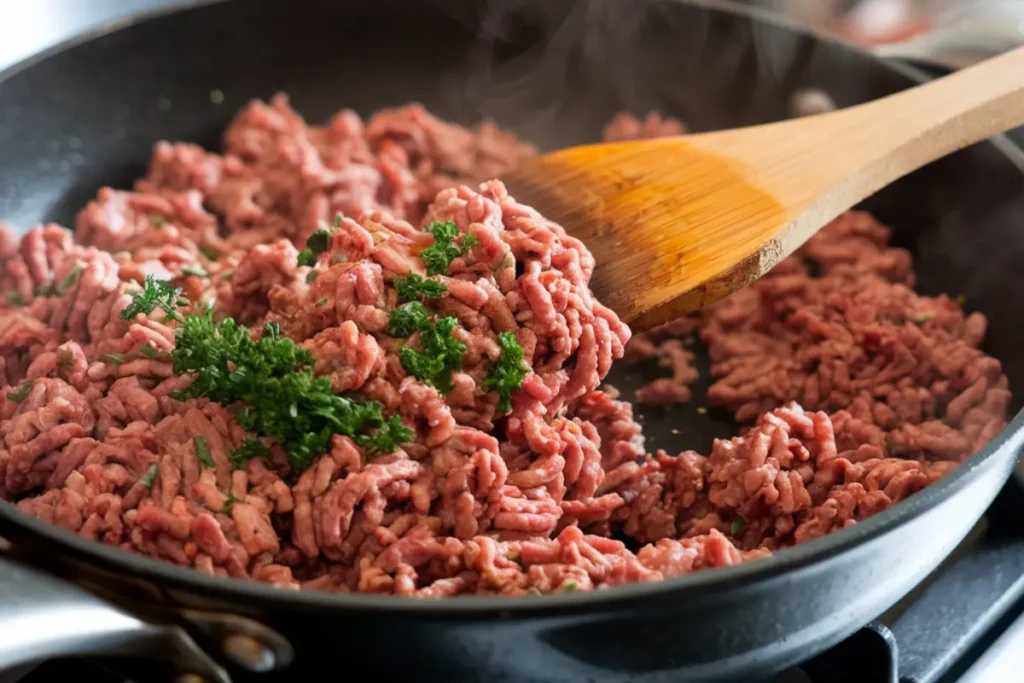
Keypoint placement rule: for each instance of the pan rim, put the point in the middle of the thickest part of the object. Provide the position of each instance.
(508, 607)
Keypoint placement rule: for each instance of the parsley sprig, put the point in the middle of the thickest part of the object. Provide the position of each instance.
(271, 386)
(318, 243)
(155, 294)
(508, 372)
(415, 287)
(440, 357)
(445, 249)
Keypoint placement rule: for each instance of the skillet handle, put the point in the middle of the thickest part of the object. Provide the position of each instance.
(43, 617)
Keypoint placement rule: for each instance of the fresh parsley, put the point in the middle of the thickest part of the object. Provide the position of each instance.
(149, 352)
(202, 450)
(249, 449)
(14, 298)
(155, 294)
(195, 271)
(405, 320)
(54, 289)
(271, 386)
(445, 249)
(158, 221)
(738, 524)
(318, 243)
(415, 287)
(229, 500)
(116, 358)
(441, 354)
(508, 372)
(19, 395)
(149, 477)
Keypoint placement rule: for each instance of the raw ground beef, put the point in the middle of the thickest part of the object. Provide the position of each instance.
(559, 494)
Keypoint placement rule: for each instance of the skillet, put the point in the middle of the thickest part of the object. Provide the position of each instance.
(87, 113)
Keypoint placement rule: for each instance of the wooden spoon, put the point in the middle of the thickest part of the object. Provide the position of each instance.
(677, 223)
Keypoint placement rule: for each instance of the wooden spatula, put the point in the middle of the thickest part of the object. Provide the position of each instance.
(677, 223)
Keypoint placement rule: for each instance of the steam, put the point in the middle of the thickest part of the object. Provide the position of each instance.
(558, 70)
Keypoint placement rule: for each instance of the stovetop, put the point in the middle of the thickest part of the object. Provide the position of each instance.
(964, 624)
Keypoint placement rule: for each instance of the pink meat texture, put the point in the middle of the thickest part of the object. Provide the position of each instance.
(853, 392)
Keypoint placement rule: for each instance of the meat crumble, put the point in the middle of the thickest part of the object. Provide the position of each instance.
(343, 358)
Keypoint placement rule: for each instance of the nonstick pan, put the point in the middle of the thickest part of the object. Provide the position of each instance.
(87, 115)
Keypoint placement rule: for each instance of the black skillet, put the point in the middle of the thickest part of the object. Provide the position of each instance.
(87, 114)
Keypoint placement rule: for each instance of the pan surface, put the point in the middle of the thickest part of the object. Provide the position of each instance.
(88, 114)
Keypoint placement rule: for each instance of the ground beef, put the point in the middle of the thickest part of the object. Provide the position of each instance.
(852, 392)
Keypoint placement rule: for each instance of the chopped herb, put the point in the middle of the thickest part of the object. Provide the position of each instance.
(19, 395)
(569, 586)
(229, 500)
(311, 276)
(14, 298)
(116, 358)
(149, 352)
(271, 387)
(322, 302)
(149, 477)
(250, 449)
(407, 319)
(228, 275)
(508, 372)
(441, 354)
(155, 294)
(738, 524)
(415, 287)
(203, 451)
(212, 253)
(444, 250)
(71, 278)
(195, 271)
(317, 243)
(922, 317)
(54, 289)
(158, 221)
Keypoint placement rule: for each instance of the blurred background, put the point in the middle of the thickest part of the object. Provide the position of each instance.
(948, 32)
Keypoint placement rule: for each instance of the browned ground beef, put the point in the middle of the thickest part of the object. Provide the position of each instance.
(481, 501)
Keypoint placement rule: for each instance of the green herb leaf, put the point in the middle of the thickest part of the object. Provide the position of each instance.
(388, 438)
(738, 524)
(229, 500)
(407, 319)
(54, 289)
(317, 243)
(155, 294)
(158, 221)
(249, 449)
(14, 298)
(508, 372)
(311, 276)
(271, 387)
(415, 287)
(116, 358)
(441, 354)
(322, 302)
(19, 395)
(445, 249)
(195, 271)
(306, 258)
(149, 477)
(569, 586)
(149, 352)
(212, 253)
(203, 451)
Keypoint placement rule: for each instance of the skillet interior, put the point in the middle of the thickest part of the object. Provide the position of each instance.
(88, 115)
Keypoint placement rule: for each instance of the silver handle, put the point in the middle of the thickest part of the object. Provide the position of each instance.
(42, 617)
